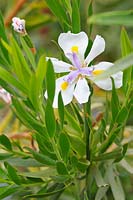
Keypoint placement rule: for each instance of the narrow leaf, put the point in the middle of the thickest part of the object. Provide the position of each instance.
(50, 119)
(50, 81)
(75, 17)
(61, 168)
(12, 174)
(5, 142)
(61, 109)
(64, 145)
(124, 17)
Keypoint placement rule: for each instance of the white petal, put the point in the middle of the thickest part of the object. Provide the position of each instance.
(67, 95)
(97, 48)
(106, 84)
(82, 91)
(60, 66)
(5, 95)
(18, 25)
(103, 66)
(68, 40)
(57, 90)
(118, 79)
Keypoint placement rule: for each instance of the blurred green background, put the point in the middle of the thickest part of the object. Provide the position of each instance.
(44, 29)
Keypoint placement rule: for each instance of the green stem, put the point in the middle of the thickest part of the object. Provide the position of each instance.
(87, 129)
(56, 149)
(77, 190)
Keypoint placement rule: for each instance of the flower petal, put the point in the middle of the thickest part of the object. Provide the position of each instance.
(96, 49)
(69, 40)
(102, 66)
(106, 84)
(60, 66)
(67, 94)
(19, 25)
(5, 95)
(82, 91)
(57, 90)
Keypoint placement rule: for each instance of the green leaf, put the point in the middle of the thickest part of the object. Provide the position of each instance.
(28, 41)
(61, 109)
(4, 156)
(12, 173)
(58, 10)
(126, 48)
(101, 192)
(119, 65)
(36, 85)
(24, 115)
(126, 166)
(116, 154)
(64, 146)
(50, 81)
(61, 168)
(37, 95)
(2, 29)
(20, 65)
(98, 177)
(8, 78)
(72, 124)
(122, 115)
(47, 193)
(4, 52)
(98, 135)
(45, 147)
(5, 142)
(7, 190)
(115, 183)
(42, 158)
(23, 162)
(50, 119)
(124, 150)
(28, 53)
(110, 138)
(46, 173)
(75, 17)
(124, 17)
(90, 12)
(83, 165)
(115, 106)
(41, 72)
(77, 144)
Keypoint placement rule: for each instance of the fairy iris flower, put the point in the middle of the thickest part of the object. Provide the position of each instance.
(75, 83)
(19, 25)
(5, 96)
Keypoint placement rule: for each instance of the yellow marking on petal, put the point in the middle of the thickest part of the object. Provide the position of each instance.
(97, 71)
(64, 85)
(74, 49)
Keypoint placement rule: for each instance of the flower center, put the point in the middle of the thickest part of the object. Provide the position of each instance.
(64, 85)
(97, 71)
(74, 49)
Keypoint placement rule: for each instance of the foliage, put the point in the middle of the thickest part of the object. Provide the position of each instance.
(75, 151)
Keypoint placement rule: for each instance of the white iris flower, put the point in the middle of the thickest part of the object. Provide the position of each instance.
(19, 25)
(5, 95)
(75, 83)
